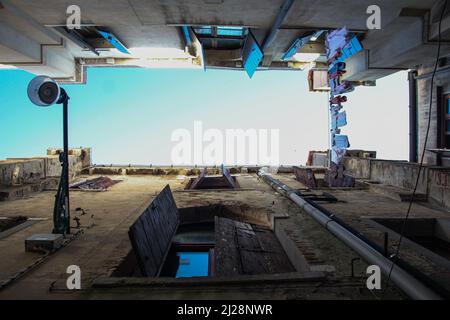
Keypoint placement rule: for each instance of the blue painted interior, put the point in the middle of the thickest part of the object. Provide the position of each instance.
(193, 264)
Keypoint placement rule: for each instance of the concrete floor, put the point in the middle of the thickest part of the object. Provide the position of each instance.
(103, 241)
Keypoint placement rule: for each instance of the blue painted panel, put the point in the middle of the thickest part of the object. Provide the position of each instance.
(448, 106)
(114, 41)
(187, 36)
(206, 30)
(230, 31)
(296, 46)
(251, 55)
(300, 43)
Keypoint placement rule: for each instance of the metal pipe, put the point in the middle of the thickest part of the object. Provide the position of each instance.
(412, 116)
(66, 160)
(410, 285)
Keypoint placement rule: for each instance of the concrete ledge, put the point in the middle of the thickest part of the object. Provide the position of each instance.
(434, 181)
(397, 193)
(176, 170)
(154, 283)
(23, 171)
(20, 171)
(439, 186)
(17, 192)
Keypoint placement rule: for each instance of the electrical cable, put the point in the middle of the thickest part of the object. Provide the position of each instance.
(405, 220)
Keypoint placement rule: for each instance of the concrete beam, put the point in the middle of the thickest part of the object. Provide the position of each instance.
(30, 46)
(406, 46)
(270, 37)
(29, 23)
(357, 69)
(445, 30)
(57, 63)
(16, 47)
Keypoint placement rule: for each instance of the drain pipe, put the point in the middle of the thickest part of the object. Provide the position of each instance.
(412, 116)
(410, 285)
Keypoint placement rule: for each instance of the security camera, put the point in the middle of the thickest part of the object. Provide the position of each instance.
(44, 91)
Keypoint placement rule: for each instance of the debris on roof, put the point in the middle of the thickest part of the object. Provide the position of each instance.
(96, 184)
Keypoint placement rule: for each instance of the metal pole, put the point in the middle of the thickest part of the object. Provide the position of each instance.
(412, 116)
(66, 160)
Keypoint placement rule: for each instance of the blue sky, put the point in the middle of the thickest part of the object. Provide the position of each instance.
(127, 115)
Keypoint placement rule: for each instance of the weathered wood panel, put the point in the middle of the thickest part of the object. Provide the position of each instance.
(226, 252)
(227, 176)
(151, 234)
(226, 181)
(305, 176)
(195, 184)
(242, 248)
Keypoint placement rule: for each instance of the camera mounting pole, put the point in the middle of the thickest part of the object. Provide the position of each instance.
(61, 210)
(43, 91)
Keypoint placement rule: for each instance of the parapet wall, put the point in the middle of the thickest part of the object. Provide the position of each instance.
(434, 181)
(20, 171)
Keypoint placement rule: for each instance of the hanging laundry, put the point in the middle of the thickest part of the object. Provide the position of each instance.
(340, 46)
(334, 132)
(338, 100)
(341, 141)
(337, 155)
(350, 49)
(342, 119)
(336, 67)
(336, 41)
(339, 120)
(334, 108)
(337, 87)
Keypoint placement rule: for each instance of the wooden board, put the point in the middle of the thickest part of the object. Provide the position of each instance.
(226, 252)
(242, 248)
(226, 181)
(227, 176)
(151, 234)
(305, 176)
(199, 179)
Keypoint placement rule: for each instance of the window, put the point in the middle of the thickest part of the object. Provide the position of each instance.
(203, 30)
(221, 37)
(192, 264)
(230, 31)
(192, 251)
(220, 31)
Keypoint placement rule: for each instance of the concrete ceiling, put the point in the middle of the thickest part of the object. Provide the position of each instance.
(258, 13)
(149, 23)
(150, 27)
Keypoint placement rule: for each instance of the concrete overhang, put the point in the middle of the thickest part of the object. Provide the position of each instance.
(358, 69)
